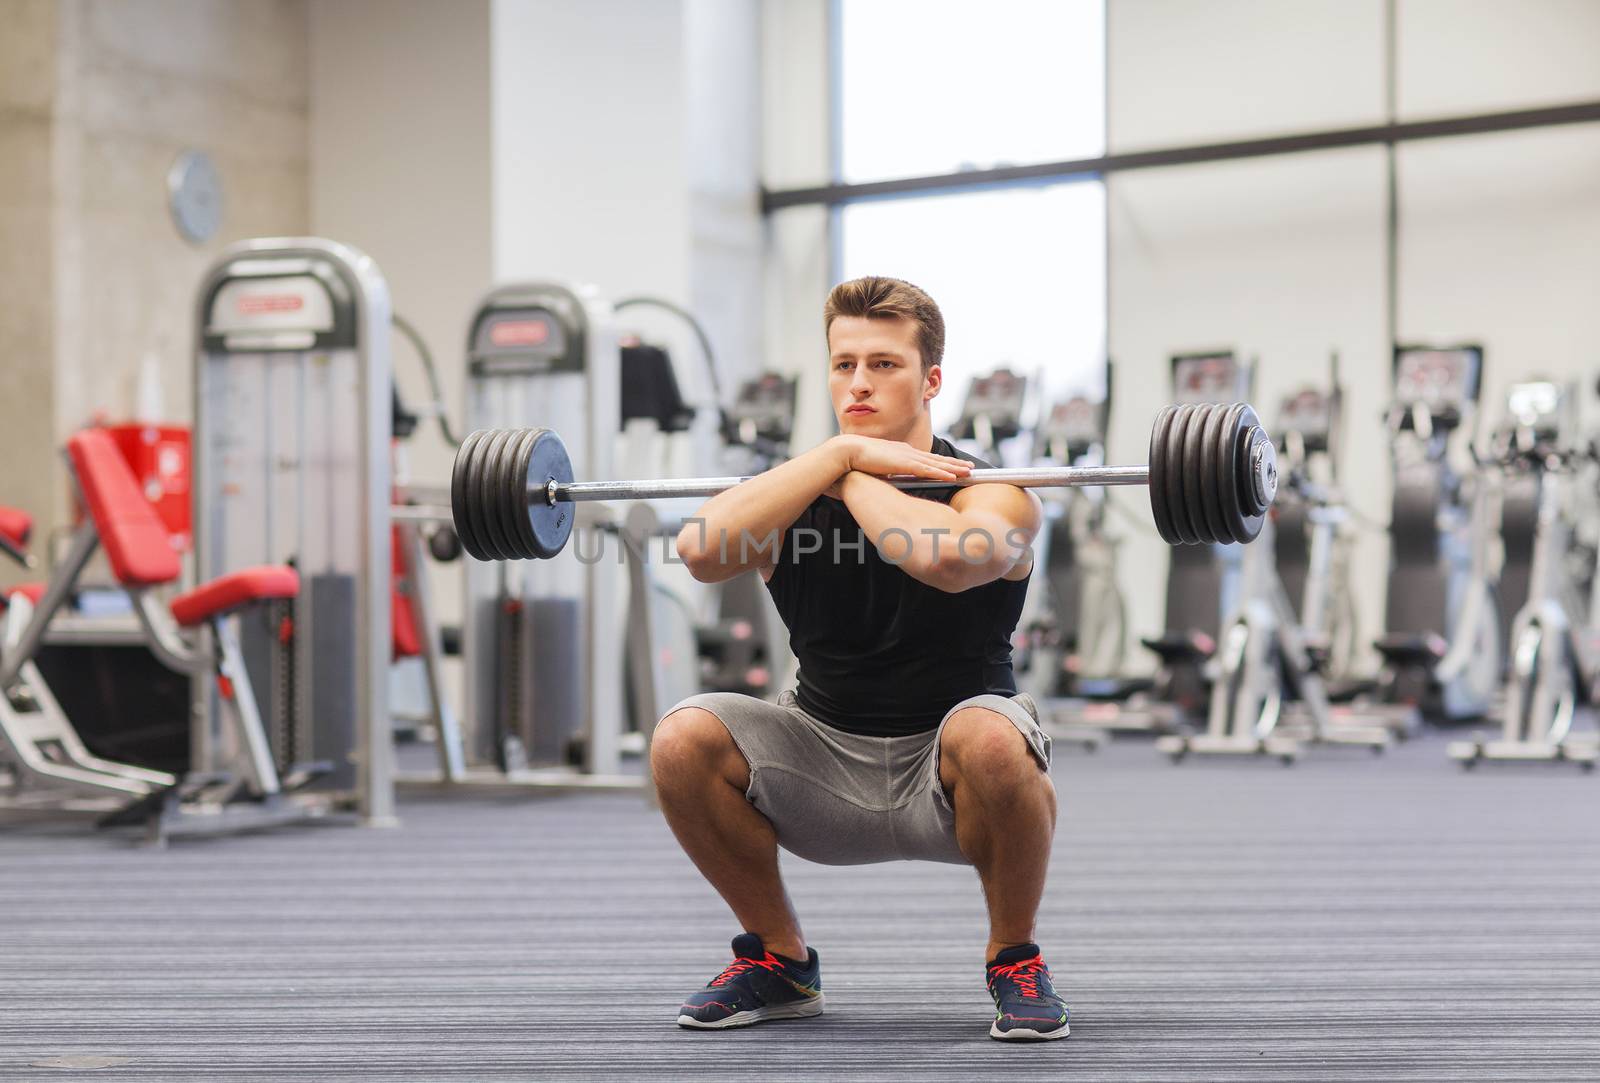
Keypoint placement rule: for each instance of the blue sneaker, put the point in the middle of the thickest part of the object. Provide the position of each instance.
(1026, 1007)
(755, 987)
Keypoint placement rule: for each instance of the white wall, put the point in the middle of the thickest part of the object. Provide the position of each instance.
(138, 84)
(1500, 244)
(797, 94)
(27, 266)
(1500, 235)
(626, 156)
(1485, 56)
(400, 168)
(590, 140)
(722, 55)
(1180, 72)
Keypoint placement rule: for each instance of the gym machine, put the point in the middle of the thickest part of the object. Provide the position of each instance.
(125, 703)
(1313, 539)
(293, 413)
(991, 413)
(739, 648)
(1074, 647)
(1548, 679)
(542, 645)
(1313, 562)
(732, 643)
(44, 763)
(419, 641)
(1268, 696)
(1202, 585)
(16, 526)
(1441, 650)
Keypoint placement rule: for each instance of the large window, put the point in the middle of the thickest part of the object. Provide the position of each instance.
(933, 86)
(937, 86)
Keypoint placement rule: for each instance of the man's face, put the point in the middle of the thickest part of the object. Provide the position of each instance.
(875, 376)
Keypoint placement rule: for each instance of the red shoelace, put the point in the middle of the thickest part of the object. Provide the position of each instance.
(740, 965)
(1025, 974)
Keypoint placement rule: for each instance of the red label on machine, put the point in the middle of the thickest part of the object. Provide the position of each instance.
(256, 304)
(519, 333)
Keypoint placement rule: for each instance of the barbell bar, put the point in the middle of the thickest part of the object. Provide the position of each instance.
(1212, 477)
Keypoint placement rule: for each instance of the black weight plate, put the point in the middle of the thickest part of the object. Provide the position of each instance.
(1176, 466)
(463, 506)
(1193, 480)
(1229, 477)
(1177, 471)
(478, 502)
(491, 497)
(1261, 492)
(480, 509)
(1195, 488)
(1248, 526)
(513, 485)
(520, 524)
(1160, 436)
(1216, 463)
(458, 505)
(522, 519)
(550, 525)
(1233, 511)
(1200, 487)
(502, 528)
(1175, 505)
(510, 470)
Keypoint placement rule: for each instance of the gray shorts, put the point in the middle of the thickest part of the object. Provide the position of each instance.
(840, 798)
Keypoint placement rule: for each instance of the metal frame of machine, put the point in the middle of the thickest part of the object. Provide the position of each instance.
(303, 324)
(1547, 679)
(540, 350)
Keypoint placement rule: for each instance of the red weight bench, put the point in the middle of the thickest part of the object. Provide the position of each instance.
(40, 742)
(15, 526)
(31, 591)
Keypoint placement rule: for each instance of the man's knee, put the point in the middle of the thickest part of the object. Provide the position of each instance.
(979, 746)
(692, 745)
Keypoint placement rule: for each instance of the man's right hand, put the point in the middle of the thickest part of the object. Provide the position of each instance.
(884, 458)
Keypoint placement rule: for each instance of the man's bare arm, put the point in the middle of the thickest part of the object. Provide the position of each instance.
(983, 534)
(739, 530)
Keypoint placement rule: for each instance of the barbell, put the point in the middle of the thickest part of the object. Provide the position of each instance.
(1212, 475)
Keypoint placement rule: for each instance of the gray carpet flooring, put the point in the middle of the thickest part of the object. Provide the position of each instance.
(1347, 918)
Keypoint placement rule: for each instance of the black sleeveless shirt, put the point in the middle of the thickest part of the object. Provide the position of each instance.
(880, 653)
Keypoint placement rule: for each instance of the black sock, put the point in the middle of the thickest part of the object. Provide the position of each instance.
(797, 964)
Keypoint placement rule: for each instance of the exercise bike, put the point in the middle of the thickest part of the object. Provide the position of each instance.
(1072, 643)
(1441, 650)
(1268, 697)
(1548, 680)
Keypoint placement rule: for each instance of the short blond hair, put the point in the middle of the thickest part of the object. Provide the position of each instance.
(876, 297)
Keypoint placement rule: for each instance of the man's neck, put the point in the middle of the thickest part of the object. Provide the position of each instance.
(921, 434)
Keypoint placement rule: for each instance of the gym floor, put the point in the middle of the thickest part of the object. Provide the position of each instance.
(1341, 919)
